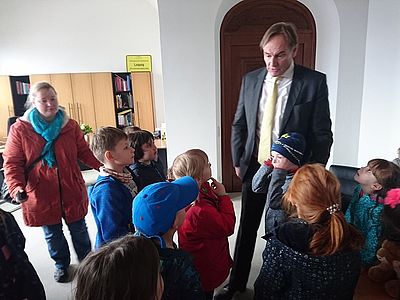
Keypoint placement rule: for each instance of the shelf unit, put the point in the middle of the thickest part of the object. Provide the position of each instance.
(123, 99)
(20, 91)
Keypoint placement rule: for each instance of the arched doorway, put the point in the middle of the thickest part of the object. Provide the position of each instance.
(241, 31)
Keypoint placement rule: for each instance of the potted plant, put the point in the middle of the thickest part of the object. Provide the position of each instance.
(86, 130)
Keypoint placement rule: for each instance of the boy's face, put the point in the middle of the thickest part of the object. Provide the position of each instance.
(367, 180)
(149, 151)
(281, 162)
(123, 154)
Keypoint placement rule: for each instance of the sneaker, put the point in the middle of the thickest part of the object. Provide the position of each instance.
(61, 275)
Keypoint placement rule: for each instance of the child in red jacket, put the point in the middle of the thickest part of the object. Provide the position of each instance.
(208, 223)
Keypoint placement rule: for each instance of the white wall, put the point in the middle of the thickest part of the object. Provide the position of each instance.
(353, 19)
(191, 68)
(45, 36)
(189, 57)
(62, 36)
(379, 128)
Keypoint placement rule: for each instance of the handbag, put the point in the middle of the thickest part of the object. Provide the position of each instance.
(4, 192)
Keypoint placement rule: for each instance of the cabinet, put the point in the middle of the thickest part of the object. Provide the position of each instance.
(123, 99)
(103, 98)
(143, 100)
(133, 100)
(20, 91)
(6, 104)
(86, 97)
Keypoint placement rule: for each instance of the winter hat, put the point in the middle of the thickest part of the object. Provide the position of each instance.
(155, 207)
(291, 145)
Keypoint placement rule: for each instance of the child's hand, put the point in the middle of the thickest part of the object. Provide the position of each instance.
(268, 162)
(281, 162)
(218, 187)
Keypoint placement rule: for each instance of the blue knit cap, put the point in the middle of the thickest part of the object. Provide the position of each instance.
(291, 145)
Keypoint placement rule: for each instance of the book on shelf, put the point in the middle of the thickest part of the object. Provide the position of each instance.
(121, 84)
(22, 87)
(124, 112)
(124, 100)
(125, 119)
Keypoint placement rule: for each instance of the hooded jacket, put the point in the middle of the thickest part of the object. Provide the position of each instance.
(53, 193)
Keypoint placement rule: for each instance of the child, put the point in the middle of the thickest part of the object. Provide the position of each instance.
(125, 269)
(396, 161)
(388, 269)
(18, 278)
(111, 196)
(158, 211)
(314, 256)
(147, 168)
(365, 208)
(131, 129)
(275, 175)
(208, 223)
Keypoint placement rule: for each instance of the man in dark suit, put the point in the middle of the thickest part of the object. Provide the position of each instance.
(301, 106)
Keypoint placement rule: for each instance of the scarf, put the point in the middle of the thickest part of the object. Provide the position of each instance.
(125, 177)
(49, 131)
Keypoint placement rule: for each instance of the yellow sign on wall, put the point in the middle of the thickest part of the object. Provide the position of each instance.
(138, 63)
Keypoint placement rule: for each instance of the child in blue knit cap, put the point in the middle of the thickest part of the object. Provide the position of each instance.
(274, 175)
(158, 211)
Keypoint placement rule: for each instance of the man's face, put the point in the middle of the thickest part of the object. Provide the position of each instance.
(277, 55)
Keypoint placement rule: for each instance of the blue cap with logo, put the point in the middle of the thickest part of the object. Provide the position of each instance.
(155, 207)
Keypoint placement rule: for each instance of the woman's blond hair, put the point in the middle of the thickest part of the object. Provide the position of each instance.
(316, 194)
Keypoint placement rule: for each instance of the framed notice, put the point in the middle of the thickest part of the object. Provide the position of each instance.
(138, 63)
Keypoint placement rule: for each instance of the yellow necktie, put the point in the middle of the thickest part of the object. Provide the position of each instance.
(264, 147)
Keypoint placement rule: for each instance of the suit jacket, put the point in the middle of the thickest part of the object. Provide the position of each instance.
(306, 112)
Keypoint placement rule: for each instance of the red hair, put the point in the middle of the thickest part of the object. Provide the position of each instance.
(312, 191)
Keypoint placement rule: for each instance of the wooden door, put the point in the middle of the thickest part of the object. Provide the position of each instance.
(143, 100)
(241, 31)
(103, 98)
(62, 84)
(6, 104)
(83, 99)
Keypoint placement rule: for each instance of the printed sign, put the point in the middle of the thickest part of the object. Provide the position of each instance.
(138, 63)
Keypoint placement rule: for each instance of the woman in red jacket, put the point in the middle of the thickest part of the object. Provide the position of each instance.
(54, 187)
(208, 223)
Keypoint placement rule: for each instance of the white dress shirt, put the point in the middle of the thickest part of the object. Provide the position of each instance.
(284, 85)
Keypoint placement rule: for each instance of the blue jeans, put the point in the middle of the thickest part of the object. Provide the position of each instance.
(58, 246)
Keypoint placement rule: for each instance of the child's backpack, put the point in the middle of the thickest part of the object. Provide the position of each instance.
(18, 278)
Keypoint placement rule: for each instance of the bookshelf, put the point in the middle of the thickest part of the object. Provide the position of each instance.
(123, 99)
(19, 89)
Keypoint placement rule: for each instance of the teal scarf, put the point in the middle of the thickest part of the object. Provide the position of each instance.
(49, 131)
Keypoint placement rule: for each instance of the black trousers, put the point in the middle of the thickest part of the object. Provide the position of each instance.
(252, 210)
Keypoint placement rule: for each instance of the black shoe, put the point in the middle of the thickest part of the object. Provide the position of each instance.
(61, 275)
(227, 294)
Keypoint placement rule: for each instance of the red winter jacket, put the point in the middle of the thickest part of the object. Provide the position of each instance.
(204, 234)
(52, 193)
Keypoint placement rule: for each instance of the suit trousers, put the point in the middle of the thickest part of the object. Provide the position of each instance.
(250, 217)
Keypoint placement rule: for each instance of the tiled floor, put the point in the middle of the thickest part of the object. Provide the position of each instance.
(37, 252)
